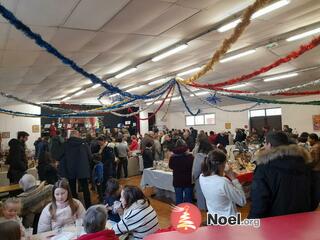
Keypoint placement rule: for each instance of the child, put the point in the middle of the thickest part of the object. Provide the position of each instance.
(112, 199)
(10, 230)
(10, 209)
(97, 176)
(62, 211)
(46, 168)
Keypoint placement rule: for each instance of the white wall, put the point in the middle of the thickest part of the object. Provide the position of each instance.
(144, 124)
(14, 124)
(298, 117)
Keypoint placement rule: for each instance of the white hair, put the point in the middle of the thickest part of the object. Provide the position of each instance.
(27, 181)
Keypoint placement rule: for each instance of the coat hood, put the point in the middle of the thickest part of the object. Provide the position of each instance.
(266, 156)
(180, 150)
(75, 142)
(14, 142)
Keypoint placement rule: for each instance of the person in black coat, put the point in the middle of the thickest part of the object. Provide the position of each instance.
(181, 163)
(147, 156)
(75, 165)
(46, 169)
(17, 159)
(282, 180)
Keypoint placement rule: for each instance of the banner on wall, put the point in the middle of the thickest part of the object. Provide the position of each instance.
(316, 122)
(227, 125)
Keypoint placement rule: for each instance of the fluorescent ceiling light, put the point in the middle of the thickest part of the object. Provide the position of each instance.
(127, 72)
(133, 89)
(157, 81)
(259, 13)
(303, 35)
(149, 103)
(280, 77)
(80, 92)
(188, 71)
(96, 86)
(169, 53)
(65, 99)
(60, 97)
(114, 95)
(74, 90)
(175, 98)
(238, 56)
(237, 86)
(199, 94)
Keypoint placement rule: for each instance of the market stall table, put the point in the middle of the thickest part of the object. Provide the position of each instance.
(302, 226)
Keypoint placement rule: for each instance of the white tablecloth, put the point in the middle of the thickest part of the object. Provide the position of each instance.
(157, 178)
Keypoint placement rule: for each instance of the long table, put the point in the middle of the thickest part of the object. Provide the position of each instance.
(303, 226)
(157, 178)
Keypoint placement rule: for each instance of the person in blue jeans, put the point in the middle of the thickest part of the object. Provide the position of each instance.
(181, 163)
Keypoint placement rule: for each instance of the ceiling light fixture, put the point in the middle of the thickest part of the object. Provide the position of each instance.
(157, 81)
(198, 94)
(188, 71)
(96, 86)
(259, 13)
(80, 92)
(303, 35)
(65, 99)
(127, 72)
(133, 89)
(288, 75)
(169, 53)
(237, 86)
(238, 56)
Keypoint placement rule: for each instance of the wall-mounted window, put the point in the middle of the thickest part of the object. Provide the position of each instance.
(265, 112)
(273, 111)
(207, 119)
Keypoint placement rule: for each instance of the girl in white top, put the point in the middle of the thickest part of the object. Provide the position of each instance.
(62, 211)
(221, 194)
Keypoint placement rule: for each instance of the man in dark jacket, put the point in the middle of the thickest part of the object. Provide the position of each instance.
(75, 165)
(17, 159)
(282, 179)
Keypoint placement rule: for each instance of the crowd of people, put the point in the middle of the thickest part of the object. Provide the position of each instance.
(286, 179)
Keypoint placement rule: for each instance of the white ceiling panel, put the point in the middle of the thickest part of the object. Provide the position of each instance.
(104, 59)
(46, 58)
(71, 40)
(19, 58)
(4, 32)
(9, 73)
(130, 44)
(63, 71)
(167, 20)
(82, 58)
(104, 41)
(45, 12)
(199, 4)
(136, 15)
(37, 73)
(103, 11)
(18, 41)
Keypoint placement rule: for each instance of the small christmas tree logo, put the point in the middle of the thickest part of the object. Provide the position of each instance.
(185, 217)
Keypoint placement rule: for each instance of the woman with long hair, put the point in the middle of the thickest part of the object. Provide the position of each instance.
(219, 185)
(138, 218)
(62, 211)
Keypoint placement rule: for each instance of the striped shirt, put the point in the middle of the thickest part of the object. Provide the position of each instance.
(139, 220)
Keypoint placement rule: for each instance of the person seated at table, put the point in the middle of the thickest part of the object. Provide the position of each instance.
(282, 180)
(10, 230)
(33, 199)
(94, 224)
(63, 210)
(222, 193)
(112, 195)
(138, 218)
(9, 210)
(47, 170)
(181, 163)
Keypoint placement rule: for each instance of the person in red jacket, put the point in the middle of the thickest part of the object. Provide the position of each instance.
(94, 224)
(134, 143)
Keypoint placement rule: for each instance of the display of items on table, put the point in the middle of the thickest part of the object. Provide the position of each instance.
(243, 158)
(161, 165)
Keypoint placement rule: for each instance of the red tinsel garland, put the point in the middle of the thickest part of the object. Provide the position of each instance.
(293, 55)
(282, 93)
(157, 110)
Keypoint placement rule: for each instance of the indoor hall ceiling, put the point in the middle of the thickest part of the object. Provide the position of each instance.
(107, 36)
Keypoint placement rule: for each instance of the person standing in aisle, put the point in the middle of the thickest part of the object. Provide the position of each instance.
(75, 165)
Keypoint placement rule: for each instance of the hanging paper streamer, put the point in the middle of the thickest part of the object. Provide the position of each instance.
(184, 102)
(50, 49)
(260, 100)
(228, 42)
(168, 106)
(291, 56)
